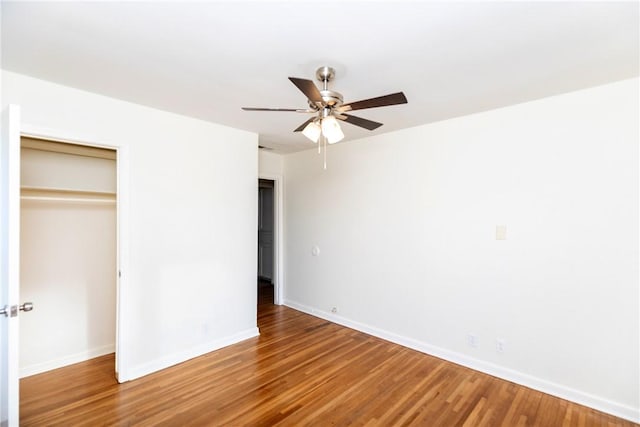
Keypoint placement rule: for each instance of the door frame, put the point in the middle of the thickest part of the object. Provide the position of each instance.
(278, 236)
(122, 222)
(10, 268)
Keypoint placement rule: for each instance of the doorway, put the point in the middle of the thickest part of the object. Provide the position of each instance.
(266, 228)
(68, 253)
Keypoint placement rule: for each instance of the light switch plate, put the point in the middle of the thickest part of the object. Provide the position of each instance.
(501, 232)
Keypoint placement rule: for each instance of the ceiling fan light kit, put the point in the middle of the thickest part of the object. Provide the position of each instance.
(331, 130)
(328, 107)
(312, 131)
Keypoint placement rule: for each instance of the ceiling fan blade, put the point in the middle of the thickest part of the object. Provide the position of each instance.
(296, 110)
(308, 88)
(359, 121)
(304, 125)
(380, 101)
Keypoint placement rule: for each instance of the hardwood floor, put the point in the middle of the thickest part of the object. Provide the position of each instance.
(300, 371)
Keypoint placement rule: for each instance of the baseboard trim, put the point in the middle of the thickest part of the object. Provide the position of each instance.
(183, 356)
(554, 389)
(61, 362)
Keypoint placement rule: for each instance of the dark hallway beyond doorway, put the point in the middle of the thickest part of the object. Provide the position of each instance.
(265, 292)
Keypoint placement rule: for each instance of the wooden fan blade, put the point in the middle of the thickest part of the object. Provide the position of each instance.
(304, 125)
(380, 101)
(308, 88)
(296, 110)
(359, 121)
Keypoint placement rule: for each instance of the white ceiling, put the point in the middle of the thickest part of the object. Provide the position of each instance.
(208, 59)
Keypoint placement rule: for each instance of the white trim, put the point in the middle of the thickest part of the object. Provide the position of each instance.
(278, 271)
(183, 356)
(10, 262)
(558, 390)
(65, 360)
(122, 217)
(40, 132)
(122, 260)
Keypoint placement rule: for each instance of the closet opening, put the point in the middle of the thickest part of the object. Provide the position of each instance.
(68, 253)
(266, 258)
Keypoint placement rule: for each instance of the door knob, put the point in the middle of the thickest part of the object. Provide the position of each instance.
(12, 310)
(9, 311)
(27, 306)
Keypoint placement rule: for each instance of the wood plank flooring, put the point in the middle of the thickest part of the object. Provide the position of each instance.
(300, 371)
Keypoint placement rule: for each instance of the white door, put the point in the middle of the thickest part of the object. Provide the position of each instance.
(10, 264)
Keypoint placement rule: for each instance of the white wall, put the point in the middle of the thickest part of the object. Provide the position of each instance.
(188, 229)
(270, 163)
(67, 261)
(406, 221)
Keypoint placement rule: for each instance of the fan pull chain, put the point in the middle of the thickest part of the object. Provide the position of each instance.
(325, 153)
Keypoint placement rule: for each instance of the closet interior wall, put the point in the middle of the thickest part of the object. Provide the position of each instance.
(68, 254)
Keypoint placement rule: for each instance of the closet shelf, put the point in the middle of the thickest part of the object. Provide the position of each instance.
(48, 194)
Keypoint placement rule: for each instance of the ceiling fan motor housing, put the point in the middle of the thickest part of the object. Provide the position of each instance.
(330, 98)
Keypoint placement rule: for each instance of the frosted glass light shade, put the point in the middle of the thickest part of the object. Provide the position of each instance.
(312, 131)
(331, 130)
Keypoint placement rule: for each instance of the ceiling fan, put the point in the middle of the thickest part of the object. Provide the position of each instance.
(327, 106)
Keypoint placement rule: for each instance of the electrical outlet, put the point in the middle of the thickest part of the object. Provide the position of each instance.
(334, 309)
(473, 340)
(500, 345)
